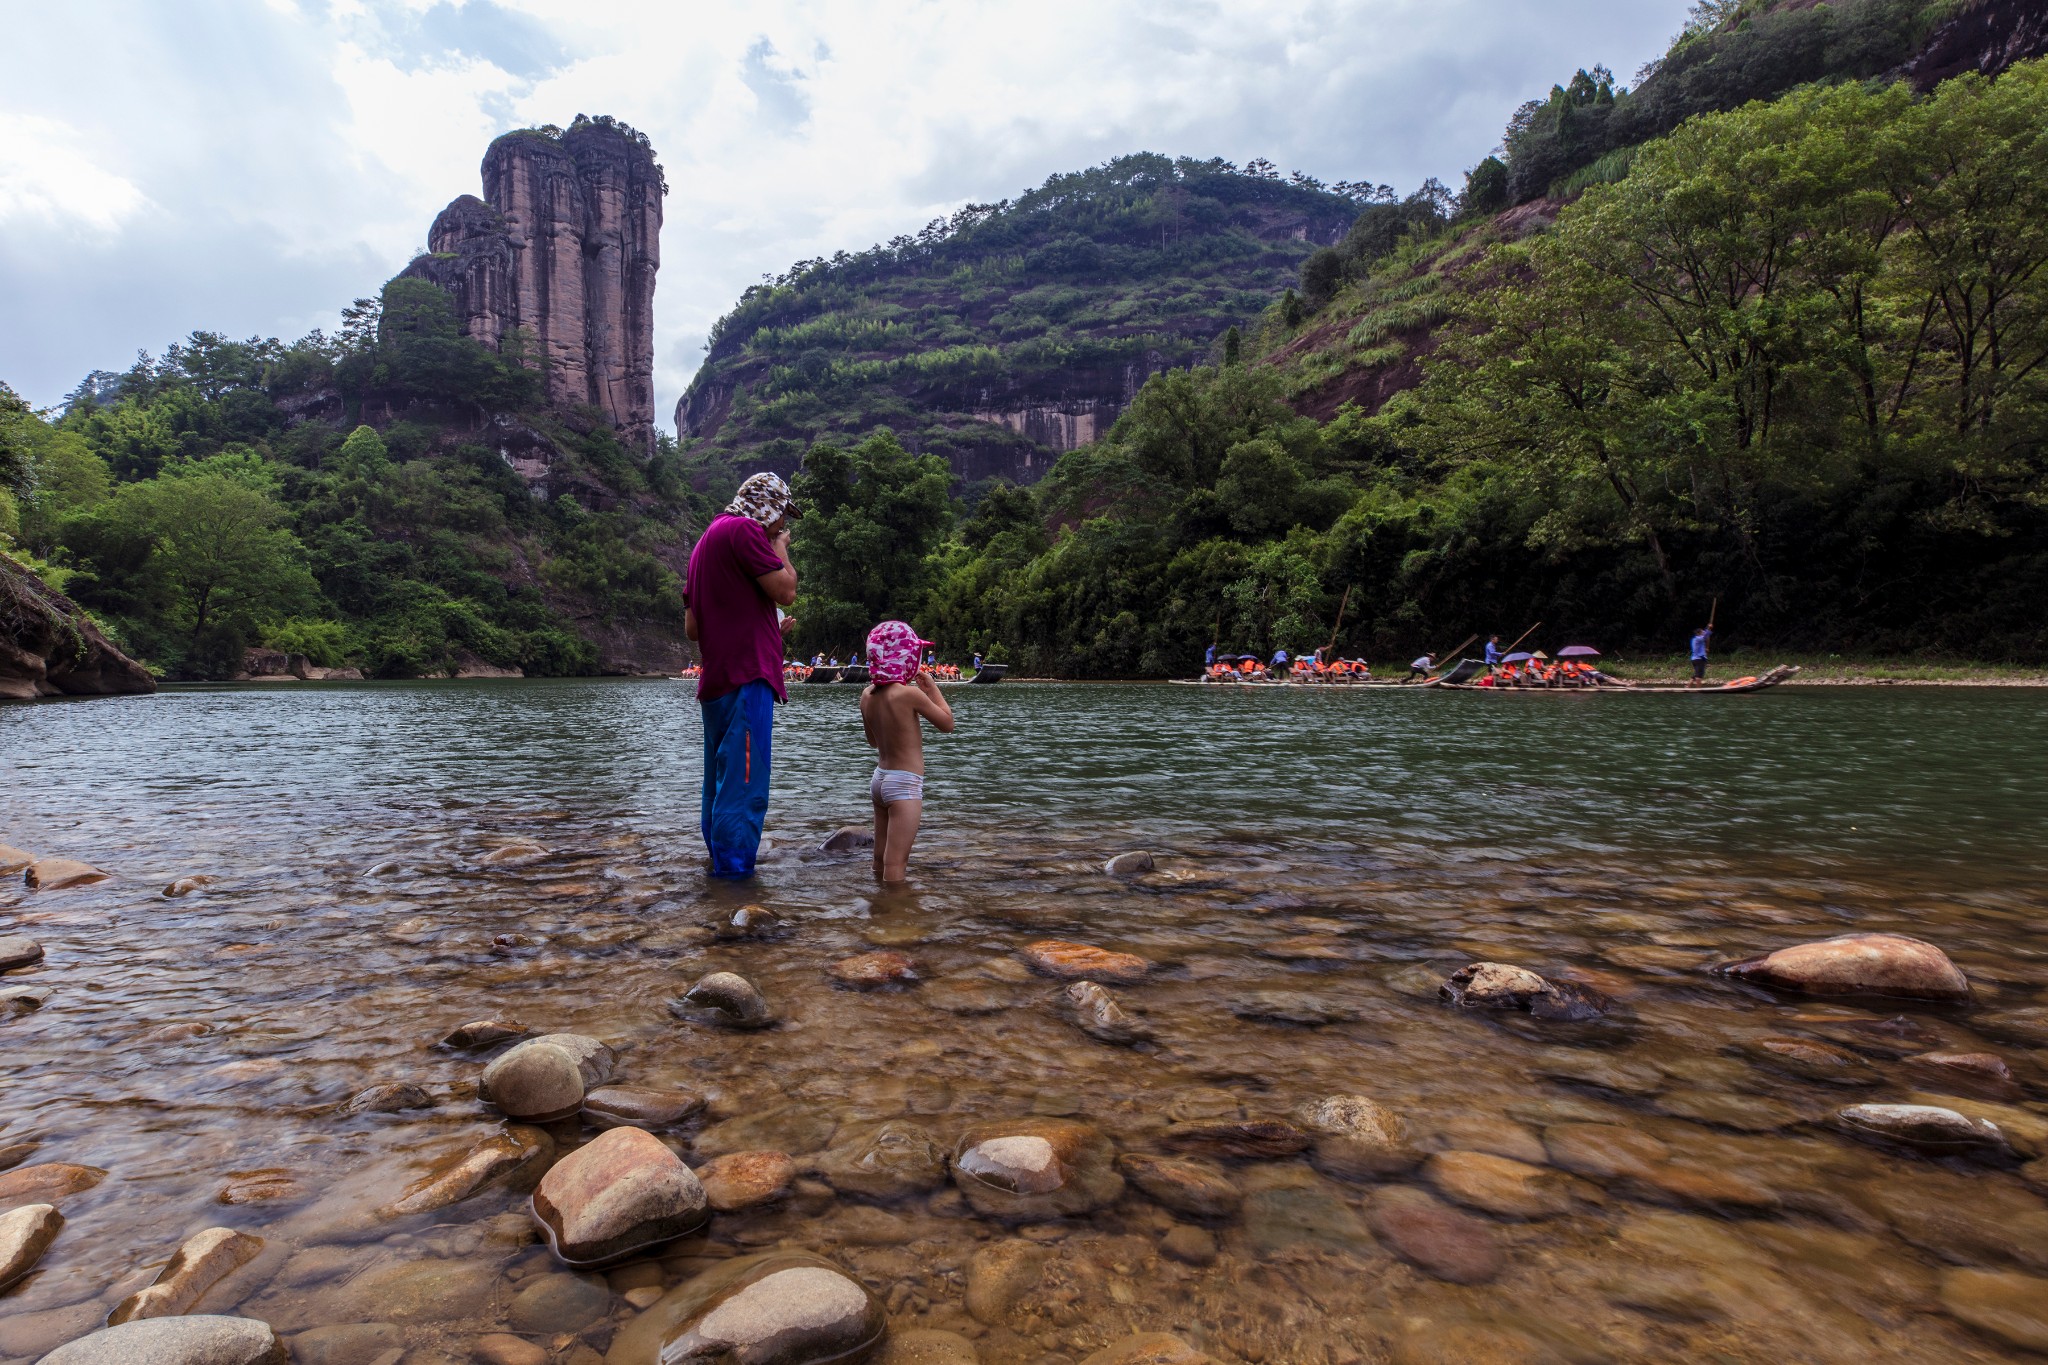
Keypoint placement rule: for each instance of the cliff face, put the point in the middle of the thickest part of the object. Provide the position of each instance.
(1986, 37)
(49, 648)
(564, 246)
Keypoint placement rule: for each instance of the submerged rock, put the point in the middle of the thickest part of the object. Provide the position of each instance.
(723, 1000)
(185, 886)
(1857, 964)
(895, 1161)
(273, 1186)
(847, 838)
(751, 922)
(1498, 986)
(388, 1098)
(55, 874)
(1101, 1017)
(1250, 1137)
(1926, 1128)
(1129, 864)
(47, 1182)
(25, 1234)
(1435, 1238)
(1356, 1137)
(480, 1033)
(1291, 1007)
(203, 1261)
(2012, 1308)
(18, 951)
(13, 860)
(1195, 1189)
(1814, 1061)
(1981, 1067)
(871, 971)
(1498, 1185)
(494, 1161)
(1000, 1274)
(1188, 1244)
(12, 1154)
(745, 1180)
(1035, 1168)
(622, 1193)
(782, 1308)
(557, 1303)
(202, 1339)
(546, 1077)
(1148, 1348)
(635, 1106)
(1072, 961)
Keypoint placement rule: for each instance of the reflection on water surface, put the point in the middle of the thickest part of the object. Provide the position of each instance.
(1663, 1183)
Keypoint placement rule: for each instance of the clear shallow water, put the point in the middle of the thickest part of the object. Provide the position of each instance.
(1352, 847)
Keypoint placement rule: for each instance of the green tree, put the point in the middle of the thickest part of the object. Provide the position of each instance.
(218, 544)
(873, 515)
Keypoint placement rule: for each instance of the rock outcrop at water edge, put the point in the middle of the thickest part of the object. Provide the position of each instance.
(49, 647)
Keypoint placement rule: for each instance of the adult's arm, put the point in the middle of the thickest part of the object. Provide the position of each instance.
(690, 622)
(780, 584)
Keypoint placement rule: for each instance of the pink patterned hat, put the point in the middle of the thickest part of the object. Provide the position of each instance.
(895, 653)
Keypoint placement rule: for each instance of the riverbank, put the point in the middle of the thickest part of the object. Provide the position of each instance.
(1837, 670)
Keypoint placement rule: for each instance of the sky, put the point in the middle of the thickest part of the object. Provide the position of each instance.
(250, 166)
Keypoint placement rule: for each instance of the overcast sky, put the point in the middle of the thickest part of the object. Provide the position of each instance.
(249, 166)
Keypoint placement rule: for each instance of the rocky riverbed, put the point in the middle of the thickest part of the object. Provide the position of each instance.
(451, 1080)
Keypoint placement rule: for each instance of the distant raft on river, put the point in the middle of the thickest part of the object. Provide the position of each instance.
(1466, 674)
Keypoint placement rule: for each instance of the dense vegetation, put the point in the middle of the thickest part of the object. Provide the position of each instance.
(193, 508)
(1793, 359)
(1141, 262)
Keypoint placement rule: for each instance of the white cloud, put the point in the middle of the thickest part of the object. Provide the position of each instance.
(290, 157)
(46, 173)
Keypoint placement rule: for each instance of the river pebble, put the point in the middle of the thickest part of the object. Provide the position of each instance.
(57, 874)
(635, 1106)
(1498, 1185)
(1249, 1137)
(1101, 1017)
(1129, 864)
(204, 1339)
(1434, 1237)
(46, 1183)
(546, 1078)
(201, 1262)
(723, 1000)
(348, 1343)
(1196, 1189)
(557, 1302)
(895, 1160)
(781, 1308)
(1814, 1061)
(1925, 1128)
(999, 1275)
(1857, 964)
(497, 1160)
(482, 1033)
(502, 1348)
(1356, 1137)
(621, 1193)
(12, 1154)
(1071, 961)
(745, 1180)
(389, 1098)
(1148, 1348)
(13, 860)
(25, 1234)
(873, 971)
(19, 951)
(1029, 1169)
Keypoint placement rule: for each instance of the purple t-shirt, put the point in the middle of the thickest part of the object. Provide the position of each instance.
(738, 635)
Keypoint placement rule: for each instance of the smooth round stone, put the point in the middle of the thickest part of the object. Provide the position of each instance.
(1074, 961)
(1814, 1061)
(12, 1154)
(389, 1098)
(1032, 1169)
(634, 1106)
(2012, 1308)
(1195, 1189)
(1100, 1016)
(547, 1077)
(894, 1161)
(557, 1303)
(1299, 1008)
(1435, 1238)
(481, 1033)
(1493, 985)
(1721, 1191)
(874, 971)
(201, 1339)
(847, 838)
(1356, 1137)
(47, 1182)
(1857, 964)
(620, 1194)
(18, 951)
(1129, 864)
(201, 1261)
(1925, 1128)
(1603, 1151)
(1188, 1244)
(56, 874)
(2028, 1025)
(723, 1000)
(745, 1180)
(751, 922)
(782, 1308)
(1982, 1067)
(1499, 1185)
(25, 1234)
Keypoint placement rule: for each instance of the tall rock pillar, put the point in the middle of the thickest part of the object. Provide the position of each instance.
(565, 245)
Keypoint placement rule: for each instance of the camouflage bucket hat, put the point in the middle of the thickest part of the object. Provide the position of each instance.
(764, 498)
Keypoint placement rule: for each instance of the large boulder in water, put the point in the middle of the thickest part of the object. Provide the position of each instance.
(1857, 964)
(782, 1308)
(621, 1193)
(547, 1077)
(1027, 1170)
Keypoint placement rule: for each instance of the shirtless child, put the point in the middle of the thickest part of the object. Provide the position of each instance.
(889, 709)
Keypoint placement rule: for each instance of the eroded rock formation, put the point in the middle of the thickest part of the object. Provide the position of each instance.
(49, 648)
(1986, 37)
(559, 257)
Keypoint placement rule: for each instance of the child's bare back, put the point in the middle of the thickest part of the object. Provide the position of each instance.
(890, 714)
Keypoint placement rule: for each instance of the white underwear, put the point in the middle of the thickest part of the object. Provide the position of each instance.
(893, 784)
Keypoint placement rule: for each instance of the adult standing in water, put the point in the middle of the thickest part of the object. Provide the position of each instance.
(739, 576)
(1700, 638)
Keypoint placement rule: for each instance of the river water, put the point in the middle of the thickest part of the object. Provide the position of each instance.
(1344, 850)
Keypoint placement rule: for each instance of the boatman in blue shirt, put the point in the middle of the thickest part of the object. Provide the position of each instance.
(1492, 652)
(1279, 666)
(1209, 659)
(1422, 667)
(1700, 638)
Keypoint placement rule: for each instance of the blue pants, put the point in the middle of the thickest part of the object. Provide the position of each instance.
(738, 730)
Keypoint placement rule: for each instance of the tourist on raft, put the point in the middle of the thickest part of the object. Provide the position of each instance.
(739, 577)
(1700, 639)
(898, 694)
(1422, 667)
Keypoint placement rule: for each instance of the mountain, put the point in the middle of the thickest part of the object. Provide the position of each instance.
(1011, 332)
(466, 480)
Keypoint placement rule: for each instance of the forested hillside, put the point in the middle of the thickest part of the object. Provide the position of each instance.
(1789, 356)
(233, 494)
(1011, 332)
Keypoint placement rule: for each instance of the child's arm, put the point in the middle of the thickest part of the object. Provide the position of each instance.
(930, 703)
